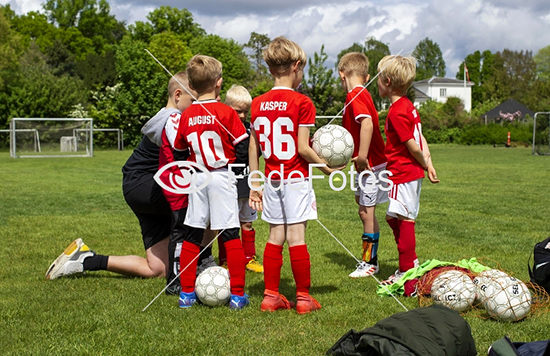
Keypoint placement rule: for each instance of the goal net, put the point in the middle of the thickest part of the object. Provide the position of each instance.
(60, 137)
(541, 133)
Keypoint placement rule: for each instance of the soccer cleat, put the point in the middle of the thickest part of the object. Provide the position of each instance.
(393, 278)
(305, 303)
(274, 301)
(206, 263)
(254, 266)
(364, 269)
(173, 289)
(187, 299)
(237, 302)
(70, 261)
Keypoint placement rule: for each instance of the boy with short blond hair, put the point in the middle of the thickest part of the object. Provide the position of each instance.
(280, 126)
(239, 99)
(213, 134)
(408, 157)
(360, 118)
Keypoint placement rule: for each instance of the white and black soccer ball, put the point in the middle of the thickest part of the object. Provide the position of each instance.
(453, 289)
(483, 279)
(507, 299)
(212, 286)
(334, 144)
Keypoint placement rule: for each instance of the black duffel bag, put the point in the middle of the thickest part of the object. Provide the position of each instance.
(540, 273)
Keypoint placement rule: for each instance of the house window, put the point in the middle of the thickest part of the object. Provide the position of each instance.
(443, 92)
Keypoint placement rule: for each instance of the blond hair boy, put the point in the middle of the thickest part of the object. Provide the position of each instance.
(214, 135)
(280, 126)
(360, 118)
(408, 157)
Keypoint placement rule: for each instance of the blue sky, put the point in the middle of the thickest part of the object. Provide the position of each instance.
(459, 27)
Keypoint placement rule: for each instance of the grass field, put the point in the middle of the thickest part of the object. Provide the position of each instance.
(492, 203)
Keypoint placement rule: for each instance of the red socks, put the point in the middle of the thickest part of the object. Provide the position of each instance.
(236, 266)
(187, 278)
(249, 243)
(273, 261)
(406, 245)
(301, 267)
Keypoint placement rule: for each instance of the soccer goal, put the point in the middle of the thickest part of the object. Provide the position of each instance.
(541, 133)
(59, 137)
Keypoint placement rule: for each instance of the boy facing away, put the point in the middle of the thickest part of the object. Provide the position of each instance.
(281, 121)
(240, 100)
(213, 134)
(360, 118)
(408, 157)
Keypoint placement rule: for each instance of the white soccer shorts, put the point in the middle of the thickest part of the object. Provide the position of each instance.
(405, 199)
(291, 203)
(371, 194)
(216, 204)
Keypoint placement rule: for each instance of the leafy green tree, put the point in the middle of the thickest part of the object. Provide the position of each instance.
(260, 80)
(429, 58)
(257, 43)
(143, 88)
(320, 85)
(170, 50)
(236, 66)
(166, 18)
(542, 61)
(10, 46)
(35, 91)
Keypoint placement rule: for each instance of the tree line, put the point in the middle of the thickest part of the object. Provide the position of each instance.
(75, 59)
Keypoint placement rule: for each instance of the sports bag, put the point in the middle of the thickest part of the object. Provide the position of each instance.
(540, 273)
(505, 347)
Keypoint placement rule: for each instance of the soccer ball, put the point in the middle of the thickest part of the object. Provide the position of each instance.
(212, 286)
(334, 144)
(453, 289)
(483, 279)
(507, 299)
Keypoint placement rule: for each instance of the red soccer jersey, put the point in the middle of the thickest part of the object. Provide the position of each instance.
(359, 106)
(276, 116)
(402, 124)
(210, 130)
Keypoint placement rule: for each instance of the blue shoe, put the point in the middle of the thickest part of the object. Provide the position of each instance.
(236, 302)
(187, 299)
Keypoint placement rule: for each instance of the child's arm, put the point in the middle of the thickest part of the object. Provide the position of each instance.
(255, 197)
(432, 175)
(422, 158)
(306, 152)
(361, 161)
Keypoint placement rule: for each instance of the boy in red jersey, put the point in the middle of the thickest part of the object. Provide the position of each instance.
(360, 118)
(408, 157)
(280, 126)
(214, 135)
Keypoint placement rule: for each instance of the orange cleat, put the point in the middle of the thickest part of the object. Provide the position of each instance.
(305, 303)
(275, 301)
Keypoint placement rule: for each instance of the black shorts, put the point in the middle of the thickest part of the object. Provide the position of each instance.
(152, 210)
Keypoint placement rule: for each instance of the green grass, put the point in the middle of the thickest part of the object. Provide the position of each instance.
(492, 203)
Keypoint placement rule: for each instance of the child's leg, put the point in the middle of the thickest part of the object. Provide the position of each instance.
(174, 250)
(249, 240)
(273, 257)
(406, 245)
(301, 268)
(235, 260)
(190, 250)
(371, 234)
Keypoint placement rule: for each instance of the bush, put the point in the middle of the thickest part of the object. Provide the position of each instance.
(495, 134)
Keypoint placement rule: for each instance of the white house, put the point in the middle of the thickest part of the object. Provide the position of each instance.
(439, 89)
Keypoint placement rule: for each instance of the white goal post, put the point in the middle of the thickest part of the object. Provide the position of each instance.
(51, 137)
